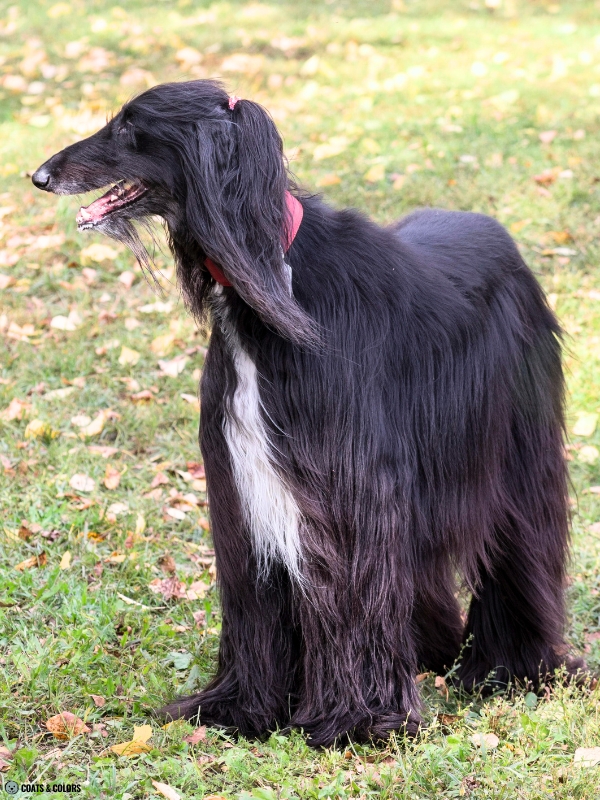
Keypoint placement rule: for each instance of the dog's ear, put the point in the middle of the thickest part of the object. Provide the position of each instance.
(236, 210)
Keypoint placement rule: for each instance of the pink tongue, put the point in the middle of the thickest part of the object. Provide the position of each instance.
(96, 210)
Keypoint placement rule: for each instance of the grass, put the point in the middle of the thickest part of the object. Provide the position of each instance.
(382, 106)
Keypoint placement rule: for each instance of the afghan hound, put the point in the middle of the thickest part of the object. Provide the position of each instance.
(381, 422)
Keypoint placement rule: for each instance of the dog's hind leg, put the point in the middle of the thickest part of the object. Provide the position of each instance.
(436, 616)
(515, 626)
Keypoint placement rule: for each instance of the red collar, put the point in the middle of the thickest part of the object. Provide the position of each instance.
(295, 212)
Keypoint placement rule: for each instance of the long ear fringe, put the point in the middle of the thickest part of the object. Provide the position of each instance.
(236, 210)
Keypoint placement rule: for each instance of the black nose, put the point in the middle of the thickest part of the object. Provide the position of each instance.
(41, 178)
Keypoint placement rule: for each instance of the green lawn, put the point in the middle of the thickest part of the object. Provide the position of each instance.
(487, 106)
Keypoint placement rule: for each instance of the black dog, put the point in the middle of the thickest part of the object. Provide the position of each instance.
(382, 411)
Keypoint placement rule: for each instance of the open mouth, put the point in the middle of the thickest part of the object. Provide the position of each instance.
(119, 196)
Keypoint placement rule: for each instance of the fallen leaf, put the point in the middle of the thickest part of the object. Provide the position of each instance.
(99, 701)
(162, 344)
(59, 394)
(547, 136)
(487, 740)
(331, 179)
(176, 513)
(81, 420)
(585, 424)
(174, 367)
(191, 399)
(587, 756)
(145, 396)
(545, 178)
(98, 253)
(156, 308)
(159, 479)
(375, 174)
(6, 281)
(82, 483)
(199, 617)
(38, 429)
(127, 278)
(196, 469)
(112, 477)
(66, 725)
(199, 735)
(118, 508)
(62, 323)
(128, 356)
(101, 450)
(16, 409)
(33, 561)
(440, 685)
(96, 426)
(166, 790)
(588, 454)
(65, 561)
(167, 564)
(422, 676)
(140, 524)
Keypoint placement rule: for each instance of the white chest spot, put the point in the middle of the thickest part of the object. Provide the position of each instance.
(269, 508)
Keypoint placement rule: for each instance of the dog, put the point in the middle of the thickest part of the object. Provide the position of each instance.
(382, 419)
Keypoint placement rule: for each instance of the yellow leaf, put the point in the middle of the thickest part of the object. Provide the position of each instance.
(129, 749)
(375, 174)
(37, 429)
(128, 356)
(162, 345)
(331, 179)
(399, 182)
(166, 790)
(96, 426)
(137, 745)
(59, 10)
(98, 252)
(335, 146)
(585, 424)
(65, 561)
(140, 524)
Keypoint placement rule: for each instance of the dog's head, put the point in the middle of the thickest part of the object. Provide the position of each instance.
(215, 174)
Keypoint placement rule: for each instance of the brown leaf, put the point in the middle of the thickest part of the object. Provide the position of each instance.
(99, 701)
(545, 178)
(66, 725)
(112, 477)
(440, 685)
(101, 450)
(199, 735)
(196, 469)
(34, 561)
(199, 617)
(159, 479)
(166, 790)
(145, 396)
(422, 676)
(100, 727)
(167, 564)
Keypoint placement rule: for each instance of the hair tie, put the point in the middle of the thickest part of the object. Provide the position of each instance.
(232, 101)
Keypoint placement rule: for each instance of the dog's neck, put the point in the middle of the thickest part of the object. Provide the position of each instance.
(295, 214)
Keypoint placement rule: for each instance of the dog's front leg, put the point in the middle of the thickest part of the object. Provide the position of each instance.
(258, 647)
